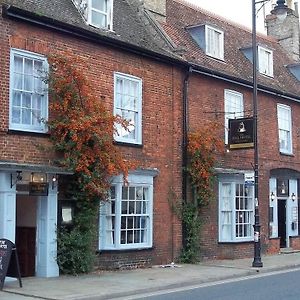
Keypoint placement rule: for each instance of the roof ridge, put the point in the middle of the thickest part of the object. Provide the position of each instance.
(223, 19)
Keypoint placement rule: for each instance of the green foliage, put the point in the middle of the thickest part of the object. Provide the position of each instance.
(191, 226)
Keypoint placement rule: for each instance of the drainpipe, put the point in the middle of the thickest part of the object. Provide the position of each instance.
(185, 126)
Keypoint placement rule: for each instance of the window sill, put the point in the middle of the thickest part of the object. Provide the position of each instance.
(128, 144)
(286, 154)
(28, 133)
(236, 242)
(125, 250)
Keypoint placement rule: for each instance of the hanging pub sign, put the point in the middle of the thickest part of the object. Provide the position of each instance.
(38, 188)
(241, 134)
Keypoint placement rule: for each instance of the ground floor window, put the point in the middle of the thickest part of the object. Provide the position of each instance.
(236, 210)
(126, 219)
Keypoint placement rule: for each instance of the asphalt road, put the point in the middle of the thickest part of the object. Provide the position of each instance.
(281, 285)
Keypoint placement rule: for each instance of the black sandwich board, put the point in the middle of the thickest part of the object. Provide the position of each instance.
(9, 263)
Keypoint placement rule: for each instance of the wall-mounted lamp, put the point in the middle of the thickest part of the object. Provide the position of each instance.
(272, 196)
(293, 196)
(38, 177)
(54, 181)
(17, 178)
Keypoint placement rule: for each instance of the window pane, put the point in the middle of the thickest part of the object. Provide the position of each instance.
(16, 115)
(18, 64)
(98, 19)
(99, 4)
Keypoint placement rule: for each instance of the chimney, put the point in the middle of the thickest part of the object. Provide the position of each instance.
(283, 24)
(157, 8)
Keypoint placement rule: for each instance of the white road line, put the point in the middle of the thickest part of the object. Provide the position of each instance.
(203, 285)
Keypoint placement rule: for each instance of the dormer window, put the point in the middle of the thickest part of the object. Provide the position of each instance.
(209, 39)
(265, 61)
(214, 42)
(97, 13)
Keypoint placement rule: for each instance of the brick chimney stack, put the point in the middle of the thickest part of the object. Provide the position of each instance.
(283, 24)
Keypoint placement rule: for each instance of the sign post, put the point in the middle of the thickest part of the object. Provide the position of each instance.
(9, 262)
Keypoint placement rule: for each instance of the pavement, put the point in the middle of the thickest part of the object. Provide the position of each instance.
(118, 284)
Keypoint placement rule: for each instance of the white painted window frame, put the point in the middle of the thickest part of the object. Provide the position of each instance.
(138, 126)
(232, 211)
(288, 129)
(138, 179)
(265, 61)
(44, 110)
(212, 48)
(108, 14)
(230, 112)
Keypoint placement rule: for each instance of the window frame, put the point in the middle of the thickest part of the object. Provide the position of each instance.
(227, 114)
(136, 179)
(138, 135)
(261, 61)
(216, 53)
(288, 150)
(108, 14)
(233, 182)
(42, 128)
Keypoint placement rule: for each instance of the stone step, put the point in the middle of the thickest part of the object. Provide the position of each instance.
(288, 250)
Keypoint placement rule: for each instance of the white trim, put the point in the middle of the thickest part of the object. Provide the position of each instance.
(145, 181)
(230, 114)
(269, 70)
(108, 13)
(289, 110)
(138, 127)
(232, 181)
(217, 52)
(44, 110)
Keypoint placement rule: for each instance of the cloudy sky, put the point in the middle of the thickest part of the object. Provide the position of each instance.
(239, 11)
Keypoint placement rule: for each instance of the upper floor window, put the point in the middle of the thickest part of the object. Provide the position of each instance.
(236, 210)
(126, 219)
(265, 61)
(128, 105)
(214, 42)
(28, 94)
(97, 13)
(234, 108)
(284, 128)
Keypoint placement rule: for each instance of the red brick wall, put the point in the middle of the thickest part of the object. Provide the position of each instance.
(162, 125)
(206, 102)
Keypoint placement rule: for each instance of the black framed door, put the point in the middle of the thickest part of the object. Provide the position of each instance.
(282, 223)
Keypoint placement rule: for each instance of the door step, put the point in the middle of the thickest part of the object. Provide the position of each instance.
(288, 250)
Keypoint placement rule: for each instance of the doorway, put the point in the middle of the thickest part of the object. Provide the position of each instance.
(26, 233)
(282, 223)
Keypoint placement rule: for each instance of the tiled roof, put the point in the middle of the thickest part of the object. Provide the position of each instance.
(128, 24)
(180, 15)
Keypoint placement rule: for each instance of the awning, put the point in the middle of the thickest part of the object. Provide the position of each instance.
(14, 167)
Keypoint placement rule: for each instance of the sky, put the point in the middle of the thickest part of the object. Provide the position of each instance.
(239, 11)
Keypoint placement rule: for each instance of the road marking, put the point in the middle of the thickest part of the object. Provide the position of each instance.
(203, 285)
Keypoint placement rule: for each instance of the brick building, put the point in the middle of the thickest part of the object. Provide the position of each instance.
(219, 87)
(184, 66)
(123, 54)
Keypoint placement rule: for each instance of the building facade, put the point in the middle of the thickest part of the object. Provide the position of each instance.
(136, 78)
(219, 87)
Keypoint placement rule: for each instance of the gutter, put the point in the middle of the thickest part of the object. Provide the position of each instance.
(241, 82)
(50, 23)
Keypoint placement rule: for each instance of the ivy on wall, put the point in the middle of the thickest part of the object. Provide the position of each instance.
(81, 130)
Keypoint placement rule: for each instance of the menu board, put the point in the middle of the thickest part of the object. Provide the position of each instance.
(9, 264)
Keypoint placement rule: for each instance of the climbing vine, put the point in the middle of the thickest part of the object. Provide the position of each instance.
(204, 146)
(81, 131)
